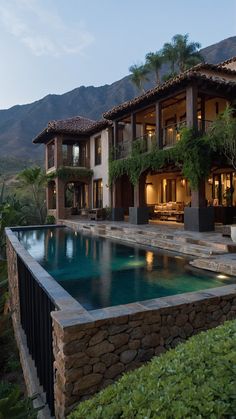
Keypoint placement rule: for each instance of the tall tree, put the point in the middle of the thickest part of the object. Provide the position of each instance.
(139, 75)
(33, 178)
(181, 53)
(223, 135)
(154, 62)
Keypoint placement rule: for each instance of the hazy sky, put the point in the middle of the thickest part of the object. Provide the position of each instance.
(53, 46)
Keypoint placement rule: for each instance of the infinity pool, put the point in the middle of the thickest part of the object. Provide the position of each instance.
(100, 272)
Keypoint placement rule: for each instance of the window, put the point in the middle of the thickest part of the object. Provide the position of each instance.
(223, 189)
(97, 193)
(168, 190)
(98, 151)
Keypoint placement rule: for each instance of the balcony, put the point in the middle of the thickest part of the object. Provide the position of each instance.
(171, 133)
(139, 145)
(81, 161)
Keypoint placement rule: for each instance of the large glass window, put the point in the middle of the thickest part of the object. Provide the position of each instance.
(97, 193)
(168, 190)
(98, 151)
(223, 189)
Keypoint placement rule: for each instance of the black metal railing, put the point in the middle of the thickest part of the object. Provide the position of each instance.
(35, 312)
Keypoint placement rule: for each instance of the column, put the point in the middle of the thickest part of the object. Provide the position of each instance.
(117, 209)
(199, 217)
(58, 152)
(60, 198)
(139, 213)
(191, 106)
(133, 126)
(203, 116)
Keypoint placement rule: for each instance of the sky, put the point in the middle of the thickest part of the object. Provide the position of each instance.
(54, 46)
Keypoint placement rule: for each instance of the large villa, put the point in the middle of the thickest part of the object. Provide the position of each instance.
(78, 152)
(138, 260)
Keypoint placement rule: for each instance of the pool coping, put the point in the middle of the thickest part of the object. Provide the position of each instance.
(70, 311)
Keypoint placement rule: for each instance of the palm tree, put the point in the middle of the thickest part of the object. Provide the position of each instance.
(170, 55)
(34, 179)
(181, 53)
(154, 62)
(139, 76)
(187, 52)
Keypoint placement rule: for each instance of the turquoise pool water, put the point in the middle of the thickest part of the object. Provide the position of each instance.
(100, 272)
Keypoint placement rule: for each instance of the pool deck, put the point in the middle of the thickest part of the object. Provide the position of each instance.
(212, 250)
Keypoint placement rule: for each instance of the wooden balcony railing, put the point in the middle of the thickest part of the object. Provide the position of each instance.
(82, 161)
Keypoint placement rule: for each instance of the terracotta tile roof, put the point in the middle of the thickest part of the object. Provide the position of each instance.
(194, 73)
(77, 125)
(230, 60)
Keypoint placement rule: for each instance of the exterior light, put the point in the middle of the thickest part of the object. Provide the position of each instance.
(222, 276)
(183, 182)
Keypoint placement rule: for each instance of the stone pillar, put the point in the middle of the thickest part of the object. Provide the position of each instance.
(60, 198)
(199, 217)
(159, 136)
(139, 213)
(191, 106)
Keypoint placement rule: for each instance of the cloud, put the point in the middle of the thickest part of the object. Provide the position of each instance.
(41, 30)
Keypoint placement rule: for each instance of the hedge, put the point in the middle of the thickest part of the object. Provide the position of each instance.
(197, 379)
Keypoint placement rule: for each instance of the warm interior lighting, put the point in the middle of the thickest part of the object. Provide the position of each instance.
(210, 180)
(183, 182)
(149, 259)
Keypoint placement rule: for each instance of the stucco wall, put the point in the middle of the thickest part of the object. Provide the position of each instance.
(101, 171)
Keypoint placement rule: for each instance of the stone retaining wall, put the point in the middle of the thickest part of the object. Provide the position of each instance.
(93, 350)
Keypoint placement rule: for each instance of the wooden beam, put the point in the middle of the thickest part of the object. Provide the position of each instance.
(191, 106)
(133, 126)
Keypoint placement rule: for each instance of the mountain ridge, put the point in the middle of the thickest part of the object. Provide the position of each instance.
(20, 123)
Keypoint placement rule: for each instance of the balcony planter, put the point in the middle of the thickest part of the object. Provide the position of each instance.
(233, 232)
(138, 215)
(199, 219)
(117, 214)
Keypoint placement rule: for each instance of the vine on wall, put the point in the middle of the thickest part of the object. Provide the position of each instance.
(193, 154)
(67, 173)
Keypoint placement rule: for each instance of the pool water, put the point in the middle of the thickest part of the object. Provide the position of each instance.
(99, 272)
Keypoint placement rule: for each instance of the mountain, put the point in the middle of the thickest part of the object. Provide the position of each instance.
(19, 124)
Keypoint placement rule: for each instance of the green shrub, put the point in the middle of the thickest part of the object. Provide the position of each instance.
(12, 405)
(50, 219)
(195, 380)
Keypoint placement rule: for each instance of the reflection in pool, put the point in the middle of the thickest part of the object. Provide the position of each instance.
(99, 272)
